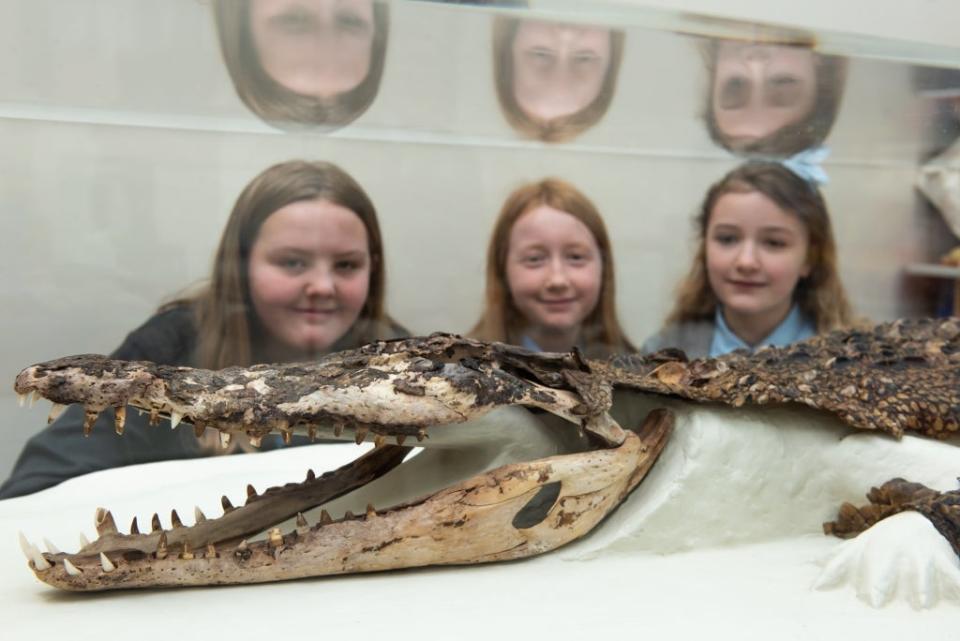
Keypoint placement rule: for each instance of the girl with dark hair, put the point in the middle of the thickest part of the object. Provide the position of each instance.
(299, 272)
(765, 271)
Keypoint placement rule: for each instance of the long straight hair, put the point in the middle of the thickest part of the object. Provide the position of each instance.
(229, 332)
(820, 295)
(601, 333)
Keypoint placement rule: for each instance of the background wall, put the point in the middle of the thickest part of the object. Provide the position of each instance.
(124, 147)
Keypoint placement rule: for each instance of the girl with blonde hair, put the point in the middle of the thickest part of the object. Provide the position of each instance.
(765, 271)
(550, 279)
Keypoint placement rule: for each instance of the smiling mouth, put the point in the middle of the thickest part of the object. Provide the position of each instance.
(740, 283)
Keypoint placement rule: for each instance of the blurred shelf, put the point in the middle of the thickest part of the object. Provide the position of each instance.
(932, 270)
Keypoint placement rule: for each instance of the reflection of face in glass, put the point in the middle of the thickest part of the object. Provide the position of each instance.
(317, 48)
(759, 89)
(774, 100)
(558, 69)
(554, 80)
(304, 62)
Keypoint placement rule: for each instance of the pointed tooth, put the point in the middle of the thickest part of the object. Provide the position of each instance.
(119, 419)
(251, 492)
(39, 562)
(255, 439)
(401, 438)
(211, 551)
(134, 528)
(361, 434)
(162, 551)
(348, 516)
(104, 522)
(154, 416)
(175, 418)
(51, 548)
(198, 515)
(225, 438)
(34, 397)
(84, 541)
(226, 504)
(325, 517)
(243, 545)
(26, 546)
(199, 427)
(379, 440)
(371, 511)
(106, 564)
(310, 475)
(175, 519)
(275, 538)
(21, 399)
(70, 568)
(287, 437)
(89, 418)
(55, 411)
(301, 520)
(187, 553)
(337, 429)
(155, 525)
(312, 433)
(421, 434)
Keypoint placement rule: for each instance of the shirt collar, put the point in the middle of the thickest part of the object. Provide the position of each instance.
(795, 327)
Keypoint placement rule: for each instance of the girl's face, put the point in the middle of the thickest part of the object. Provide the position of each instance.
(756, 253)
(759, 89)
(554, 270)
(309, 274)
(558, 69)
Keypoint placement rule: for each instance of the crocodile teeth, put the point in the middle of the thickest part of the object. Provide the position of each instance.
(51, 548)
(70, 568)
(119, 418)
(25, 545)
(106, 564)
(104, 522)
(89, 418)
(255, 440)
(21, 399)
(225, 438)
(175, 418)
(84, 542)
(55, 411)
(35, 397)
(39, 562)
(198, 514)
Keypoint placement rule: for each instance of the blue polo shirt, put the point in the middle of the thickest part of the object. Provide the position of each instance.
(795, 327)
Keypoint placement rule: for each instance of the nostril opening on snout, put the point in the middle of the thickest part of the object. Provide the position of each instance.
(538, 507)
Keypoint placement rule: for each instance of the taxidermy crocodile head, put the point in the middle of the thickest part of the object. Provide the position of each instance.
(539, 478)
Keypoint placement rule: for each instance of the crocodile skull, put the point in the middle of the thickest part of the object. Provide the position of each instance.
(560, 476)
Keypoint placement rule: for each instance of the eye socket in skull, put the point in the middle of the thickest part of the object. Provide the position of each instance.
(537, 508)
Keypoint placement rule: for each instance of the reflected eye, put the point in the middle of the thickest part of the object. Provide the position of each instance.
(585, 58)
(784, 90)
(734, 93)
(352, 23)
(540, 56)
(293, 22)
